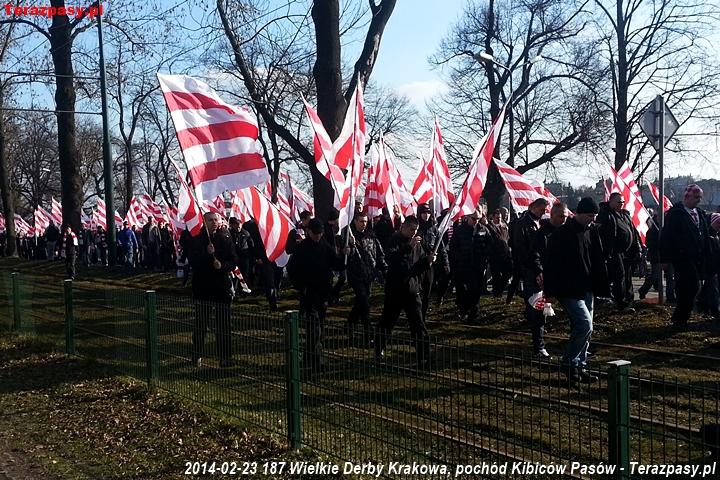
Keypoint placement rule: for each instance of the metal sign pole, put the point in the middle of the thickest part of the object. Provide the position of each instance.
(107, 160)
(660, 108)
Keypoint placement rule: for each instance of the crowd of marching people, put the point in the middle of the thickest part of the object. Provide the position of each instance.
(548, 256)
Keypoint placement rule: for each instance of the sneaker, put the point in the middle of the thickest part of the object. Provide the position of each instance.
(379, 353)
(626, 310)
(542, 354)
(197, 362)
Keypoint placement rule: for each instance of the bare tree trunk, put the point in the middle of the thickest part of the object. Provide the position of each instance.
(128, 174)
(331, 104)
(70, 179)
(7, 198)
(621, 122)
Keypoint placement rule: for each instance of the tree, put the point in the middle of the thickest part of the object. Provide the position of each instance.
(327, 73)
(657, 47)
(553, 108)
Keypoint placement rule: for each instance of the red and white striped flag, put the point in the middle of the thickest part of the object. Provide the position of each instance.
(441, 183)
(624, 183)
(522, 190)
(606, 196)
(188, 210)
(274, 226)
(150, 208)
(283, 203)
(218, 140)
(655, 191)
(422, 188)
(238, 208)
(21, 226)
(100, 214)
(401, 194)
(85, 219)
(136, 215)
(42, 220)
(469, 197)
(2, 223)
(324, 158)
(209, 206)
(386, 188)
(56, 211)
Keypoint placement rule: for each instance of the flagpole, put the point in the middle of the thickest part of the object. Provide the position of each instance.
(448, 217)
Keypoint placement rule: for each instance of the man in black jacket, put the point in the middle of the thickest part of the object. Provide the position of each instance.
(574, 272)
(430, 235)
(522, 232)
(366, 257)
(212, 257)
(622, 249)
(407, 262)
(652, 242)
(469, 247)
(311, 273)
(684, 244)
(500, 256)
(299, 233)
(534, 279)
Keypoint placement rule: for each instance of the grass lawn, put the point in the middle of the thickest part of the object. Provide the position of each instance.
(64, 417)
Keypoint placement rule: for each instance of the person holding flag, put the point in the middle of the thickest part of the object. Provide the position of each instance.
(68, 251)
(212, 258)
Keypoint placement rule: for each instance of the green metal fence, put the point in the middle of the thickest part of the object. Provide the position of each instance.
(468, 407)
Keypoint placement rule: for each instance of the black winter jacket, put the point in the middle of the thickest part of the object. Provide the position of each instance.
(406, 265)
(539, 248)
(207, 282)
(575, 263)
(469, 248)
(312, 266)
(430, 236)
(681, 240)
(366, 257)
(522, 232)
(618, 234)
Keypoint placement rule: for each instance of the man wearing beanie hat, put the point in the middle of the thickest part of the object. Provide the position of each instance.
(684, 244)
(574, 273)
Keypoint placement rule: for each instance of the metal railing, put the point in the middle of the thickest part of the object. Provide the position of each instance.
(469, 406)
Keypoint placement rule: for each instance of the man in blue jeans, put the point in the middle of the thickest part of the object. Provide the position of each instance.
(575, 272)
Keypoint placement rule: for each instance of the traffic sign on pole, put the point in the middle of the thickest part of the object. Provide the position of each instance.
(651, 127)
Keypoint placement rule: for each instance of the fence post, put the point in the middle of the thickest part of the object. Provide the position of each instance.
(69, 318)
(619, 417)
(292, 379)
(17, 320)
(151, 337)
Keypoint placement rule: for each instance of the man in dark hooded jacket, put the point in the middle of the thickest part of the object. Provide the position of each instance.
(622, 249)
(311, 273)
(430, 236)
(522, 232)
(407, 262)
(365, 259)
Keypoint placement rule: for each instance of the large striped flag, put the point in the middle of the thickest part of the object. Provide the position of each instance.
(422, 188)
(150, 208)
(42, 220)
(100, 215)
(469, 197)
(56, 211)
(522, 190)
(283, 202)
(347, 152)
(188, 210)
(218, 140)
(238, 209)
(274, 226)
(2, 222)
(386, 188)
(441, 184)
(624, 183)
(606, 195)
(655, 191)
(21, 226)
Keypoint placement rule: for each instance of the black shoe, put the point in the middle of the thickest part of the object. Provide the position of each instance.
(587, 377)
(228, 363)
